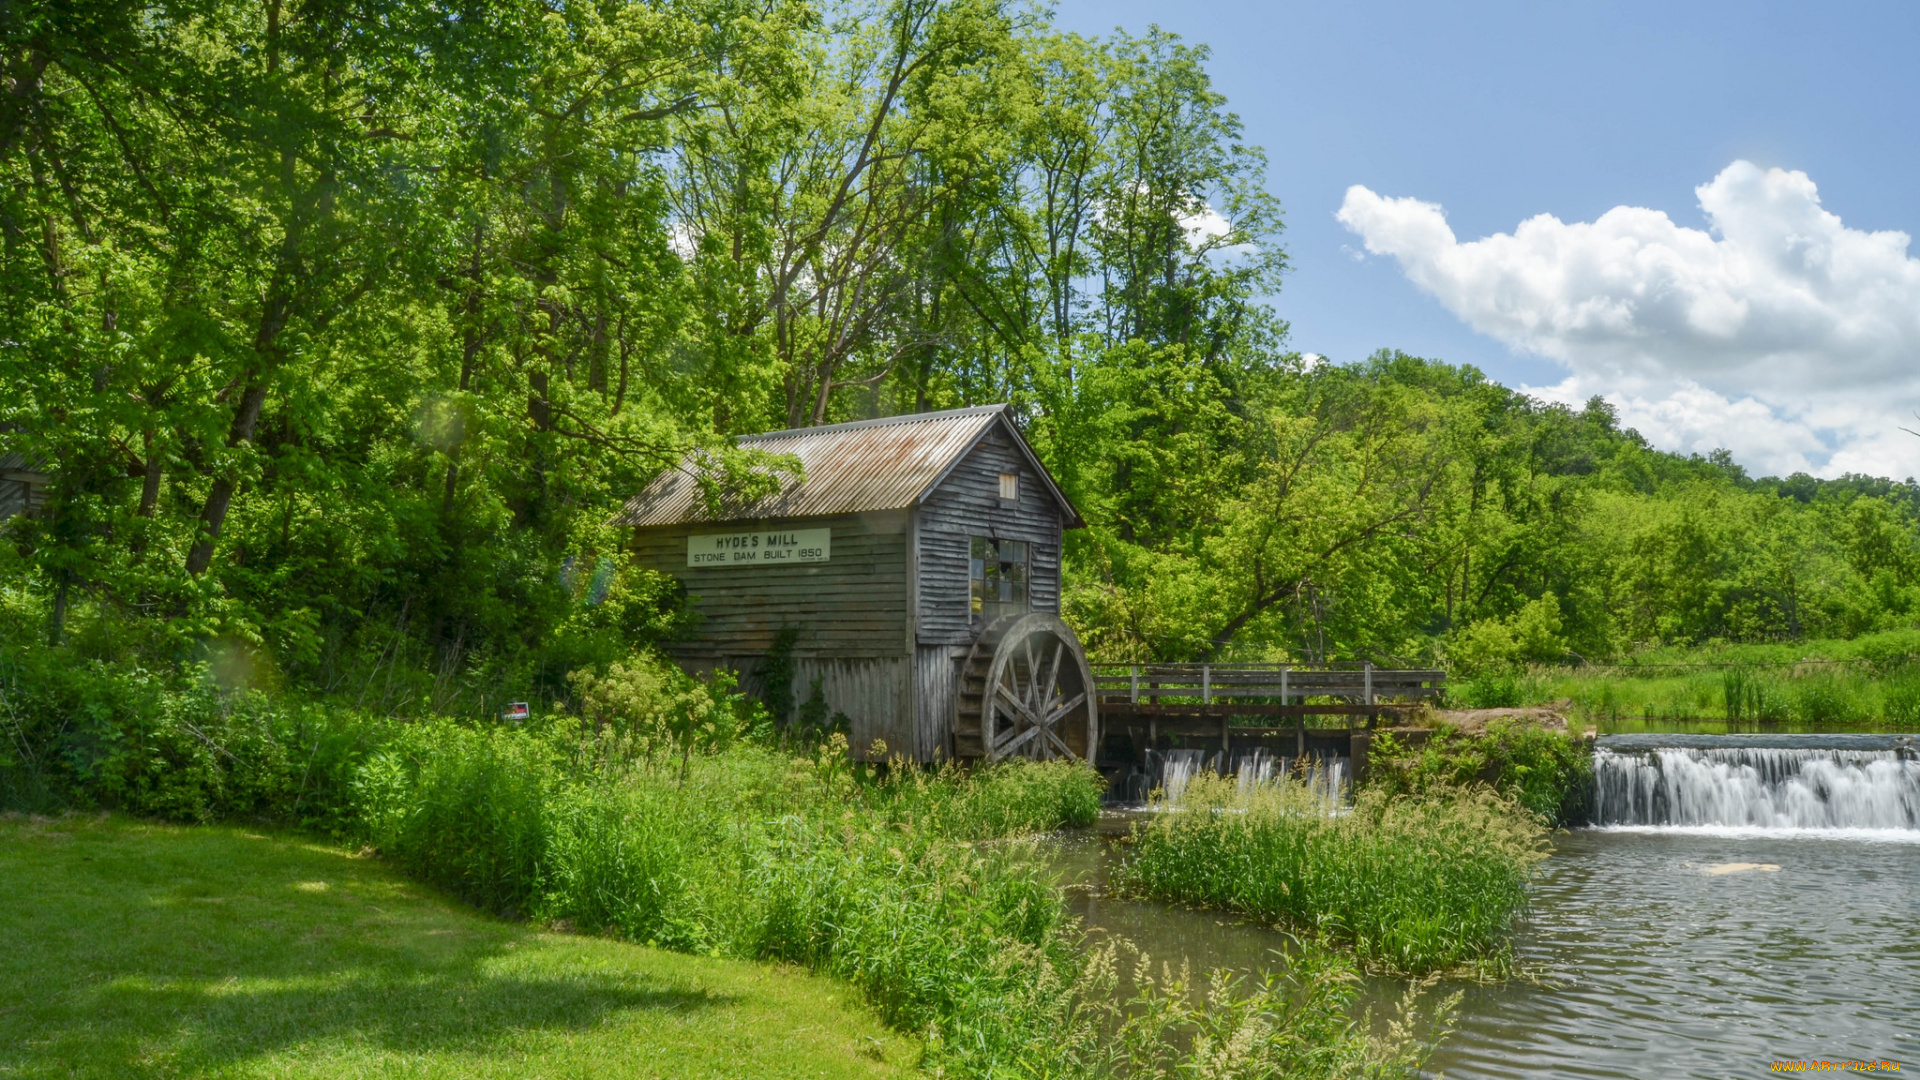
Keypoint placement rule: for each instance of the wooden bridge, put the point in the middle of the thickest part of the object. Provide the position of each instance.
(1222, 707)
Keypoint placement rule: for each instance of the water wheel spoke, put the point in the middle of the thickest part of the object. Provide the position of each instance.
(1014, 742)
(1021, 707)
(1053, 675)
(1070, 705)
(1065, 750)
(1033, 673)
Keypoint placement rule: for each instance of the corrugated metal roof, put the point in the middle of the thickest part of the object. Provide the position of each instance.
(884, 464)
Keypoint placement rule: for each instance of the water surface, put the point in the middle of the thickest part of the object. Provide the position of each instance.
(1760, 902)
(1677, 953)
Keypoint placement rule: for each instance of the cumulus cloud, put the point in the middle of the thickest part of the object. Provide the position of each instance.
(1778, 332)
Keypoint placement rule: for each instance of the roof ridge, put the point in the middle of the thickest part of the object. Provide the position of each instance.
(880, 421)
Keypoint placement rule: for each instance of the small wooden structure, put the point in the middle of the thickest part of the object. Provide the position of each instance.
(915, 570)
(23, 486)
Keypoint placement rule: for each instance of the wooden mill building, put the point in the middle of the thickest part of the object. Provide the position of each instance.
(916, 568)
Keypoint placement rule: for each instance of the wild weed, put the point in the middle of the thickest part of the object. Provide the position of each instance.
(1412, 885)
(879, 881)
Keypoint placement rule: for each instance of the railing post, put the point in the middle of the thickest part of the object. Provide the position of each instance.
(1206, 684)
(1369, 692)
(1133, 692)
(1299, 722)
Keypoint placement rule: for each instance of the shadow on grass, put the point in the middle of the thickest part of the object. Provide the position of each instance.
(247, 1018)
(197, 948)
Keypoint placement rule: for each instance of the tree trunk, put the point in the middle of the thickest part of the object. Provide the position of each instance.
(57, 625)
(214, 515)
(150, 484)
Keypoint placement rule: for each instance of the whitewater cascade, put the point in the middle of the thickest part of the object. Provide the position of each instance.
(1757, 783)
(1325, 777)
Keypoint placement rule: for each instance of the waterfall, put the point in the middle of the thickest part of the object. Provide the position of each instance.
(1325, 777)
(1177, 769)
(1776, 783)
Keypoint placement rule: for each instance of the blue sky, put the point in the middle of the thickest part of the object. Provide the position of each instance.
(1488, 115)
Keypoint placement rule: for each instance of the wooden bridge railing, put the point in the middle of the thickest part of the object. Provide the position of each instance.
(1259, 687)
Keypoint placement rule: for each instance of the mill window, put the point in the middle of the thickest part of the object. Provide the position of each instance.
(1009, 487)
(999, 573)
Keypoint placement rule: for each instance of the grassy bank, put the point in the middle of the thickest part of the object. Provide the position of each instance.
(666, 813)
(1867, 682)
(875, 880)
(144, 949)
(1411, 885)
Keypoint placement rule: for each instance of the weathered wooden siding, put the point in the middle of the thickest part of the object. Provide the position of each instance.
(875, 693)
(967, 504)
(22, 490)
(936, 671)
(855, 604)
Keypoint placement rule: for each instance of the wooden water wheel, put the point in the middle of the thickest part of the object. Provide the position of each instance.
(1026, 691)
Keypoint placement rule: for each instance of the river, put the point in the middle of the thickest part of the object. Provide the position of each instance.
(1749, 901)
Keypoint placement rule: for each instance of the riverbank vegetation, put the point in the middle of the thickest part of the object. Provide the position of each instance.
(1869, 681)
(667, 813)
(1413, 885)
(1543, 771)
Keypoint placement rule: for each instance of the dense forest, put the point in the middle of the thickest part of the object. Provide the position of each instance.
(343, 327)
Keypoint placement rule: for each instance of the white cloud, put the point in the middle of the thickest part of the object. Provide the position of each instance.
(1780, 333)
(1204, 226)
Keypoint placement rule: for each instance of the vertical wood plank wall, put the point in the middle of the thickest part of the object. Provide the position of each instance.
(965, 505)
(851, 613)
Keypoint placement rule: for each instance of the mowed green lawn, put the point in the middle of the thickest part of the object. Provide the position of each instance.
(134, 949)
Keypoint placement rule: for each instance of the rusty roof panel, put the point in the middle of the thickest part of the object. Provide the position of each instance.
(882, 464)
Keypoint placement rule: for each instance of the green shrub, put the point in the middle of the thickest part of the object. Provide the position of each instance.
(85, 734)
(1549, 773)
(465, 809)
(1496, 690)
(1900, 698)
(1412, 885)
(1826, 698)
(1006, 799)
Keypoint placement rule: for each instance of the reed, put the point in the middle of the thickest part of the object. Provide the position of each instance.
(1814, 694)
(1412, 886)
(878, 880)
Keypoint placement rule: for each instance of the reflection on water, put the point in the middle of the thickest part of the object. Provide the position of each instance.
(1204, 939)
(1664, 953)
(1667, 963)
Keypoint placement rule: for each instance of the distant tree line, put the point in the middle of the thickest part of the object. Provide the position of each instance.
(344, 327)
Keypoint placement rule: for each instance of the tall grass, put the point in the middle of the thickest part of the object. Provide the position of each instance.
(878, 880)
(664, 814)
(1412, 885)
(1813, 694)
